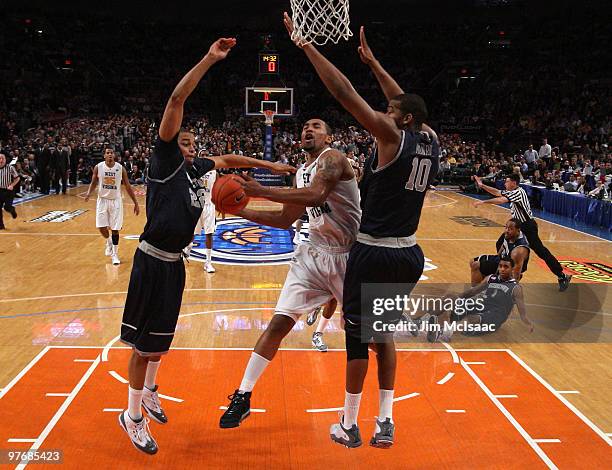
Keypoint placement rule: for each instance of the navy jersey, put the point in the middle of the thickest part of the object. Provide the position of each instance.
(174, 197)
(392, 196)
(498, 297)
(507, 246)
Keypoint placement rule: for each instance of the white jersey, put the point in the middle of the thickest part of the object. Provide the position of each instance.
(109, 186)
(336, 222)
(207, 182)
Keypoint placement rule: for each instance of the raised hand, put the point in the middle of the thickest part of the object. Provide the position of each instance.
(220, 48)
(289, 26)
(365, 53)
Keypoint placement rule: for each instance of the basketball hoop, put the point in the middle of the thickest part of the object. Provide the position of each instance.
(319, 21)
(269, 115)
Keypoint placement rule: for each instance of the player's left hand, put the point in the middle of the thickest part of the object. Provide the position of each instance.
(278, 168)
(289, 26)
(136, 209)
(365, 53)
(477, 203)
(251, 187)
(220, 48)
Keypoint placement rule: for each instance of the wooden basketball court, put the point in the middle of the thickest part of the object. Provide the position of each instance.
(506, 401)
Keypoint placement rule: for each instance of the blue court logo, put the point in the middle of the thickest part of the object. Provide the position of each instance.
(240, 241)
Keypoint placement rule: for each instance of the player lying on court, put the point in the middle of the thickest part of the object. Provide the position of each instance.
(511, 243)
(326, 187)
(110, 175)
(157, 281)
(395, 180)
(499, 293)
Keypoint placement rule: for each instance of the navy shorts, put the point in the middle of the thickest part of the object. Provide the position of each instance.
(153, 303)
(368, 264)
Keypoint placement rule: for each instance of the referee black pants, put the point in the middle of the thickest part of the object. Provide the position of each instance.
(6, 200)
(530, 230)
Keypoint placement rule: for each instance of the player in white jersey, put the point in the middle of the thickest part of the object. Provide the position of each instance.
(109, 176)
(207, 220)
(328, 190)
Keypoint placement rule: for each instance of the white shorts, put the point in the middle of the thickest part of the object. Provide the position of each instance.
(207, 220)
(109, 213)
(314, 278)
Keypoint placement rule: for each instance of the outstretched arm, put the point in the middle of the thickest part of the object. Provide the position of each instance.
(329, 171)
(495, 200)
(173, 114)
(387, 83)
(493, 191)
(518, 255)
(239, 161)
(341, 88)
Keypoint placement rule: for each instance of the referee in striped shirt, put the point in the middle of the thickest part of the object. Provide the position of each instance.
(8, 180)
(521, 210)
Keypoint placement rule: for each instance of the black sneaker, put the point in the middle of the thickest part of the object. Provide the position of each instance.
(564, 282)
(13, 212)
(433, 329)
(238, 410)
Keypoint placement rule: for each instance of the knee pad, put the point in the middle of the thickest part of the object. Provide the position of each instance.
(355, 349)
(115, 238)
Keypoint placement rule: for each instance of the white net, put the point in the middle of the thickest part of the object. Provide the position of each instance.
(320, 21)
(269, 115)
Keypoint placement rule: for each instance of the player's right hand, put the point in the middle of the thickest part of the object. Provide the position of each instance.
(220, 48)
(365, 53)
(282, 169)
(86, 197)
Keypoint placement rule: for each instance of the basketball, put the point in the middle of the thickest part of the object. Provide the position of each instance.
(228, 195)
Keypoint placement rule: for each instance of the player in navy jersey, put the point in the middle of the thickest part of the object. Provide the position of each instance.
(511, 243)
(174, 204)
(499, 293)
(396, 178)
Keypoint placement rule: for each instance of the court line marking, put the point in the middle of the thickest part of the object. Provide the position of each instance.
(84, 360)
(506, 396)
(452, 351)
(57, 394)
(609, 434)
(510, 418)
(17, 439)
(455, 411)
(539, 218)
(168, 397)
(117, 376)
(561, 398)
(254, 410)
(62, 409)
(547, 440)
(179, 348)
(446, 378)
(23, 372)
(568, 392)
(89, 294)
(112, 410)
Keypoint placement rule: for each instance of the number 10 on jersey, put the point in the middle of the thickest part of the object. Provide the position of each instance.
(419, 176)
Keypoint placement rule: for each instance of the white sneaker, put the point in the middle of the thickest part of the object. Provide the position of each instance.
(116, 259)
(138, 432)
(296, 239)
(152, 405)
(109, 247)
(209, 267)
(318, 343)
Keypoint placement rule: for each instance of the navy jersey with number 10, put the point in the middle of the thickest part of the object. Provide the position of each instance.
(392, 196)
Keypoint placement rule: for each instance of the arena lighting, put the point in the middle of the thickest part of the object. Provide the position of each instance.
(502, 33)
(28, 21)
(68, 62)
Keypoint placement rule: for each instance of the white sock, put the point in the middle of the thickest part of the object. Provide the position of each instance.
(322, 324)
(134, 403)
(385, 404)
(115, 249)
(209, 255)
(351, 409)
(257, 364)
(152, 368)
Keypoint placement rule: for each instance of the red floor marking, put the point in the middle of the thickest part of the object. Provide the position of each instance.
(285, 436)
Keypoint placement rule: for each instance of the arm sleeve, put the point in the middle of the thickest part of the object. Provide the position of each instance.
(203, 165)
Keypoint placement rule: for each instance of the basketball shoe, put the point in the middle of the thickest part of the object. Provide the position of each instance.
(383, 434)
(318, 343)
(138, 432)
(238, 410)
(152, 405)
(347, 437)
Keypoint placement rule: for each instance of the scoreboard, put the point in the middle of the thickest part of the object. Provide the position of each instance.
(269, 63)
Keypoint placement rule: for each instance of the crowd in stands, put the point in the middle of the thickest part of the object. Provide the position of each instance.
(493, 90)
